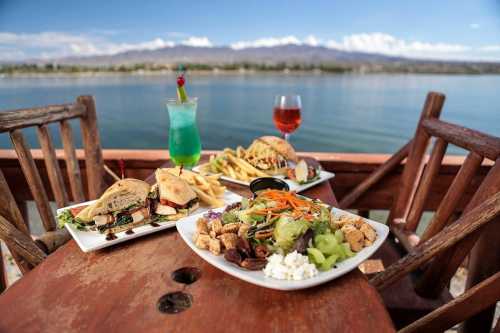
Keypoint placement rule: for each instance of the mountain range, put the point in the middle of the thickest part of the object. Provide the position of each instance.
(284, 56)
(290, 54)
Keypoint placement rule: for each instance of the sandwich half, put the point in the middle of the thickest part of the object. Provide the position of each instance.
(123, 206)
(175, 198)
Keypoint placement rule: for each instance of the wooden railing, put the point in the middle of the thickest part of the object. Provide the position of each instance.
(350, 170)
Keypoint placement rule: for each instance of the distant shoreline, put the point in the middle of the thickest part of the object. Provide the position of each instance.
(215, 73)
(246, 68)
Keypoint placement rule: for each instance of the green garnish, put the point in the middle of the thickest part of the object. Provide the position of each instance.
(67, 217)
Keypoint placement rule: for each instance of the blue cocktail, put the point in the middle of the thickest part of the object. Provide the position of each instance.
(184, 138)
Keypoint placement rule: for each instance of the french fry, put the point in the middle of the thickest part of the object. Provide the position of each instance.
(208, 188)
(212, 201)
(244, 165)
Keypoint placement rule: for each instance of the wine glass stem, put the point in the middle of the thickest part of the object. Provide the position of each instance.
(286, 136)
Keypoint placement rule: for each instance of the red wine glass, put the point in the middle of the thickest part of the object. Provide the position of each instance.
(286, 114)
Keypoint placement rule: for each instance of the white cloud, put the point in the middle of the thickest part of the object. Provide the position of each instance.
(365, 42)
(390, 45)
(474, 26)
(266, 42)
(197, 42)
(490, 48)
(387, 44)
(311, 40)
(58, 44)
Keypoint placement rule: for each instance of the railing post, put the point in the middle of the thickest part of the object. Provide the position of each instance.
(94, 163)
(416, 160)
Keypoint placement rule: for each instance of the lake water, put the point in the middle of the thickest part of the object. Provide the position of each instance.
(341, 113)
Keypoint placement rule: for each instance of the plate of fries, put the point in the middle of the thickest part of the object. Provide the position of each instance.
(233, 166)
(207, 187)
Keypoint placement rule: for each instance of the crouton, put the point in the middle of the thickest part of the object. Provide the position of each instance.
(368, 231)
(359, 222)
(214, 246)
(202, 226)
(367, 242)
(202, 242)
(231, 228)
(212, 234)
(242, 232)
(341, 220)
(216, 226)
(354, 237)
(229, 240)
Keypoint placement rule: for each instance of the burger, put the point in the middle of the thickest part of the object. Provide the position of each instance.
(271, 154)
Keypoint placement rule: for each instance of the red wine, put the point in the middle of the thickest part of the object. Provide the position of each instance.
(287, 120)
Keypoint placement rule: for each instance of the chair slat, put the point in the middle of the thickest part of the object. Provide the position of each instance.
(453, 195)
(17, 119)
(33, 179)
(483, 144)
(415, 161)
(94, 163)
(443, 267)
(74, 174)
(375, 177)
(52, 166)
(10, 210)
(464, 306)
(449, 236)
(20, 242)
(430, 174)
(3, 273)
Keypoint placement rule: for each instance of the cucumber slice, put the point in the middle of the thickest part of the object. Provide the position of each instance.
(339, 235)
(326, 243)
(315, 256)
(328, 263)
(347, 250)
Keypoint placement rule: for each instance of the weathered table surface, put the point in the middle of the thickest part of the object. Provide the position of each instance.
(117, 289)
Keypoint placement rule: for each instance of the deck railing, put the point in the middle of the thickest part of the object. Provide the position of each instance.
(350, 170)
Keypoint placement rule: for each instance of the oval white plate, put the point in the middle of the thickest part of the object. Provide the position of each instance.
(294, 186)
(188, 227)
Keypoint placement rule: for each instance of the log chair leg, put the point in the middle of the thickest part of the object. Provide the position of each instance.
(3, 273)
(23, 208)
(484, 261)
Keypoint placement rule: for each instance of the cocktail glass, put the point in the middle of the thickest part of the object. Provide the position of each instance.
(183, 137)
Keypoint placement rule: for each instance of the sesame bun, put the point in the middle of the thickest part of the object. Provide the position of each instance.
(281, 146)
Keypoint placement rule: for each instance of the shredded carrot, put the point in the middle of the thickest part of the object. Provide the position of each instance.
(286, 200)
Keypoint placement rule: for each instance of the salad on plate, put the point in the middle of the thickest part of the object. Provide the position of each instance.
(287, 236)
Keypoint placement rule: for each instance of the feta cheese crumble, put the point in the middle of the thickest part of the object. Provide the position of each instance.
(294, 266)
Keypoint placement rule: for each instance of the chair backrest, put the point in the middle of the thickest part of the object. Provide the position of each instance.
(13, 122)
(476, 299)
(420, 172)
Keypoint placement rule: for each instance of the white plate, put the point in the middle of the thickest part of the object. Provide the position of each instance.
(188, 227)
(93, 240)
(294, 186)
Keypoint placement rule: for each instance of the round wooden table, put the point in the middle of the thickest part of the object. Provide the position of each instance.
(117, 290)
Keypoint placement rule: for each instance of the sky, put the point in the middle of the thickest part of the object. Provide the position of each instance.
(444, 29)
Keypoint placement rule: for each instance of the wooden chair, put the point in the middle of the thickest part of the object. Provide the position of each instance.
(417, 295)
(14, 228)
(479, 297)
